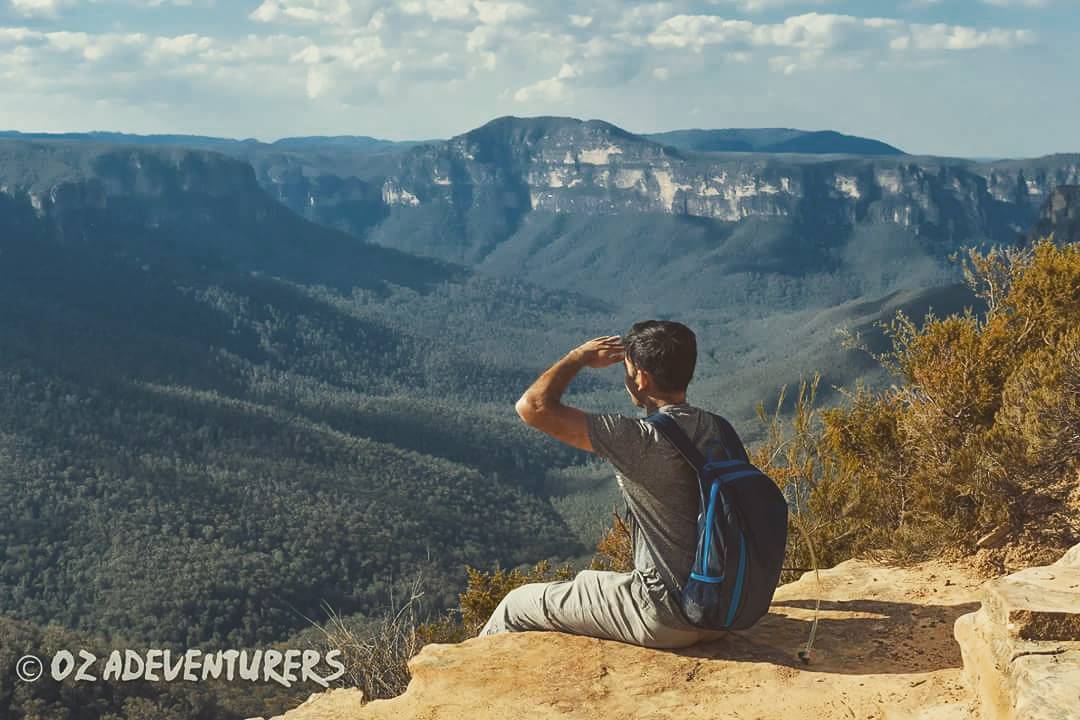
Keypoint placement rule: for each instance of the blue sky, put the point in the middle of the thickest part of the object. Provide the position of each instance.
(952, 77)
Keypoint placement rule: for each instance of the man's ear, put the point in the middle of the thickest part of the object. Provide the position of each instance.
(644, 381)
(630, 381)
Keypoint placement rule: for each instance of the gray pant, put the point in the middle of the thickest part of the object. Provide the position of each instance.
(602, 604)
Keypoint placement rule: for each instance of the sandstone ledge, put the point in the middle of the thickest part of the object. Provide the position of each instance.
(1022, 649)
(885, 650)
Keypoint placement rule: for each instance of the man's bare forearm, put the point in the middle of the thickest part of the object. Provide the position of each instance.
(541, 405)
(549, 388)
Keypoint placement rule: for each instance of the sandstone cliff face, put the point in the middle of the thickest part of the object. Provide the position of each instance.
(459, 199)
(597, 168)
(60, 177)
(472, 192)
(1061, 215)
(101, 193)
(188, 209)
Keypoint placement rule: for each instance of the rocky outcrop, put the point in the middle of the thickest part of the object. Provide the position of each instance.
(566, 166)
(184, 209)
(459, 199)
(1022, 649)
(1060, 216)
(71, 176)
(109, 195)
(884, 650)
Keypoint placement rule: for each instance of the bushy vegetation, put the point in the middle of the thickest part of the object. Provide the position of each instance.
(975, 447)
(615, 550)
(794, 454)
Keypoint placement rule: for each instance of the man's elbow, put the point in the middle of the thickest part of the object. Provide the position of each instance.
(528, 409)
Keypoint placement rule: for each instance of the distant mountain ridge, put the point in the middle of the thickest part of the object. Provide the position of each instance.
(507, 194)
(773, 140)
(221, 144)
(767, 140)
(550, 198)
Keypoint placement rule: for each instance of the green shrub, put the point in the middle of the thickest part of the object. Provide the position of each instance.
(977, 438)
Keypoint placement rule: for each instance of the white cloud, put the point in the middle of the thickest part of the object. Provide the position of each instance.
(697, 31)
(16, 35)
(142, 70)
(65, 45)
(481, 37)
(994, 3)
(181, 45)
(439, 10)
(318, 81)
(488, 12)
(755, 6)
(67, 41)
(953, 37)
(498, 13)
(818, 33)
(38, 8)
(480, 42)
(307, 11)
(1018, 3)
(552, 89)
(809, 31)
(54, 8)
(823, 41)
(644, 15)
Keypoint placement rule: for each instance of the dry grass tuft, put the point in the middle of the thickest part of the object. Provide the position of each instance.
(376, 654)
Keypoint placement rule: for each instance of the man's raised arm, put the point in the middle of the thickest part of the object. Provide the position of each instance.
(541, 405)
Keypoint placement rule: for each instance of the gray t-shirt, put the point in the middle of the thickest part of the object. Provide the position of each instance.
(660, 488)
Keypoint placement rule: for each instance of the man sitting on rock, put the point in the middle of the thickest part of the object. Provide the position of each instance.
(660, 489)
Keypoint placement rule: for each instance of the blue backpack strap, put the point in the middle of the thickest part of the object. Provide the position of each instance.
(730, 439)
(675, 435)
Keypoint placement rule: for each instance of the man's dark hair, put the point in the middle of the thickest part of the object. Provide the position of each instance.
(665, 349)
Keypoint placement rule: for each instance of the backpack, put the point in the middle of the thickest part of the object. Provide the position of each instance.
(742, 535)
